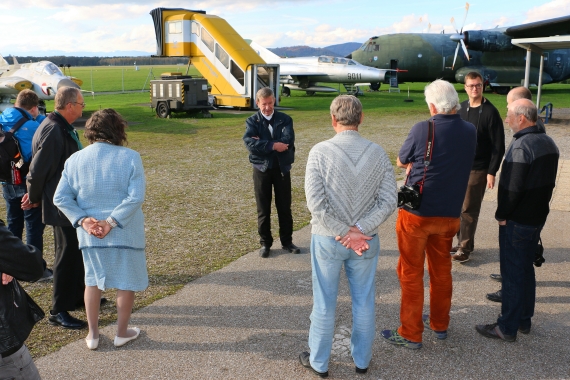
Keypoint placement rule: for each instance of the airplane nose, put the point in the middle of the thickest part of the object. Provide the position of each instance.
(67, 83)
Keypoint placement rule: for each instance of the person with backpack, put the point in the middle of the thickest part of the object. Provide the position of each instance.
(23, 119)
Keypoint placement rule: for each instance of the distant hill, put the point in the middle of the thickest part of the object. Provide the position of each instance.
(340, 50)
(345, 49)
(300, 51)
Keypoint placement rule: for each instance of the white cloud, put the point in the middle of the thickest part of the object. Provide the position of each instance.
(555, 8)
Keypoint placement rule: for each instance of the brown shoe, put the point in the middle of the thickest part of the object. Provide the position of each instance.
(460, 257)
(454, 250)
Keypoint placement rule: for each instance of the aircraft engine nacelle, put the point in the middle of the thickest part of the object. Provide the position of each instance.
(483, 40)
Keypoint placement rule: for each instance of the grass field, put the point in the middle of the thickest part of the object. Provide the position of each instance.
(200, 208)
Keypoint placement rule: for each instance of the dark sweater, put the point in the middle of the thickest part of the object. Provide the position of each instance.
(527, 178)
(490, 135)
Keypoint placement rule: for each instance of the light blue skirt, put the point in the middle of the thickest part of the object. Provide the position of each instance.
(123, 269)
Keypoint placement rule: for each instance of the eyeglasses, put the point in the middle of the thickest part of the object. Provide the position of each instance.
(81, 104)
(472, 86)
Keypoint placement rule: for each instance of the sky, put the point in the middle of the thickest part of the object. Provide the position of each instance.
(106, 26)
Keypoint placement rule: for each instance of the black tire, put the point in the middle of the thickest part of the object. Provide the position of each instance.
(502, 90)
(375, 86)
(286, 91)
(162, 110)
(310, 93)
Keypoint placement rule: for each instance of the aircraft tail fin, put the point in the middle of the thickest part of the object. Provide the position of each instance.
(15, 60)
(3, 62)
(267, 55)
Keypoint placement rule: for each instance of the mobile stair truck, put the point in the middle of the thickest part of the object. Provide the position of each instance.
(233, 69)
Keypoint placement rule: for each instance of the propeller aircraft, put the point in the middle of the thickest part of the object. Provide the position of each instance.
(44, 78)
(422, 57)
(304, 73)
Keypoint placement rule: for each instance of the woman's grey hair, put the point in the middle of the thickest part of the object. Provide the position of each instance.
(443, 96)
(65, 95)
(347, 110)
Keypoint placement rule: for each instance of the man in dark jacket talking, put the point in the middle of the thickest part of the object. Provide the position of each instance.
(24, 262)
(270, 140)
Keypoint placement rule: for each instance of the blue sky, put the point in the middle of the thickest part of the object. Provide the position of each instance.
(104, 26)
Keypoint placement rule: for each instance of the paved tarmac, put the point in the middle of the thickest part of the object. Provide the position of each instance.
(250, 320)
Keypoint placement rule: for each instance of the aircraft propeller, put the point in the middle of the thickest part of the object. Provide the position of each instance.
(459, 37)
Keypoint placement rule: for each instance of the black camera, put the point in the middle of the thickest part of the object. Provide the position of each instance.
(538, 256)
(410, 196)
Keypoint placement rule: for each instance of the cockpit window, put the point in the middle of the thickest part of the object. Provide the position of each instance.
(51, 69)
(370, 46)
(342, 61)
(324, 59)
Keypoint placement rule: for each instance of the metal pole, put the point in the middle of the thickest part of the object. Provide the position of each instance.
(540, 82)
(527, 69)
(123, 79)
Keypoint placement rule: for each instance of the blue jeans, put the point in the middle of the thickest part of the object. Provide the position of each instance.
(327, 259)
(16, 216)
(517, 244)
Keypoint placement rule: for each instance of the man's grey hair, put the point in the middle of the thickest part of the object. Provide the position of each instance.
(443, 96)
(520, 93)
(526, 108)
(347, 110)
(65, 95)
(264, 93)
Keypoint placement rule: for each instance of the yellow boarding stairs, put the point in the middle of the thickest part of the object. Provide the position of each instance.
(233, 69)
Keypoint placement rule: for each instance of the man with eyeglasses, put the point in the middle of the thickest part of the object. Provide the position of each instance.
(53, 143)
(490, 150)
(25, 112)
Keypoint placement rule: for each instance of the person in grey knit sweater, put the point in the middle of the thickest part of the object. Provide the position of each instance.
(351, 190)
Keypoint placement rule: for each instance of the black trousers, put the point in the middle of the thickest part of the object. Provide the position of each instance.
(68, 270)
(262, 185)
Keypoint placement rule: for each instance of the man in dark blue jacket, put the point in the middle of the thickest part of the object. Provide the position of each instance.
(528, 176)
(270, 140)
(24, 262)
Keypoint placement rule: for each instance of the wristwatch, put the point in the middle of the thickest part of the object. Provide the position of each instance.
(111, 222)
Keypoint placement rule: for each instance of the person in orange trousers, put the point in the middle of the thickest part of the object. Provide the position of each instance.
(425, 228)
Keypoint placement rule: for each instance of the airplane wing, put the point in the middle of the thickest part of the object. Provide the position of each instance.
(296, 69)
(544, 28)
(13, 85)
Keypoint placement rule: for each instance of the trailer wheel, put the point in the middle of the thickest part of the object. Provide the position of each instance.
(375, 86)
(162, 110)
(286, 91)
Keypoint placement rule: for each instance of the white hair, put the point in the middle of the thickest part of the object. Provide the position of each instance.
(443, 96)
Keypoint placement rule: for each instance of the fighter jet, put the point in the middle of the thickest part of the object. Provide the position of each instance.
(422, 57)
(43, 77)
(303, 73)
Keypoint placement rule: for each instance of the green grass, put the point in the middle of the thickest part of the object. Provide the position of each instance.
(200, 210)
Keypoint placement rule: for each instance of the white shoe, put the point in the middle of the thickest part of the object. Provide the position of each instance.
(118, 342)
(92, 344)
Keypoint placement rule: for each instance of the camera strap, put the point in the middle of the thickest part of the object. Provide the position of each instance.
(429, 152)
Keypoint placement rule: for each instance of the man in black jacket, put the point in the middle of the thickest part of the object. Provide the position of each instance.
(53, 143)
(527, 181)
(270, 140)
(490, 149)
(23, 262)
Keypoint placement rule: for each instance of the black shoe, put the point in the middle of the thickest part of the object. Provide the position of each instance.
(292, 248)
(81, 305)
(496, 277)
(360, 370)
(304, 359)
(494, 331)
(524, 331)
(264, 252)
(48, 275)
(66, 321)
(495, 297)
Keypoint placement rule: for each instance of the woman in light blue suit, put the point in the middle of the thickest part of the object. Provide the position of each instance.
(101, 192)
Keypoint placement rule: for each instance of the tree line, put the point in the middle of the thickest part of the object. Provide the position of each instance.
(103, 61)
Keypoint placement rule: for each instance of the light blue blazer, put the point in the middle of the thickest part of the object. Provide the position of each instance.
(104, 180)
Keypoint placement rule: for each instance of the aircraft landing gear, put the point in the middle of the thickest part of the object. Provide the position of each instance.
(286, 91)
(310, 93)
(501, 90)
(375, 86)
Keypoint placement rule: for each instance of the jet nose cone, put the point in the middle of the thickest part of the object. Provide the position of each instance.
(66, 83)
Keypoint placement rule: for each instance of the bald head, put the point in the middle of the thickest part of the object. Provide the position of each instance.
(518, 93)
